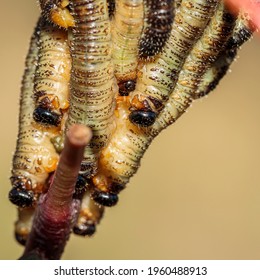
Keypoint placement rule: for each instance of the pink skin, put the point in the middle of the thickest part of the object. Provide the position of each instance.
(252, 7)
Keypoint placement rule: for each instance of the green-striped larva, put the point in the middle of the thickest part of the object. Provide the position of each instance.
(51, 82)
(35, 156)
(56, 11)
(126, 30)
(157, 78)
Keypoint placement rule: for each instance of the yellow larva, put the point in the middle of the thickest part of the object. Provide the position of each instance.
(52, 75)
(57, 12)
(34, 157)
(92, 99)
(157, 78)
(126, 30)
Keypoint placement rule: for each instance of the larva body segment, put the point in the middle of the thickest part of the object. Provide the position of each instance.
(126, 30)
(214, 74)
(24, 224)
(121, 158)
(200, 59)
(34, 157)
(156, 79)
(158, 23)
(52, 75)
(90, 215)
(92, 99)
(57, 12)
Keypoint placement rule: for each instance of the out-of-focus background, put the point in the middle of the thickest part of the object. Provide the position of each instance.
(197, 193)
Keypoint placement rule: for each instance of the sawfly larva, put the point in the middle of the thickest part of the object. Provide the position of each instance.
(92, 99)
(156, 79)
(56, 11)
(126, 30)
(51, 82)
(201, 58)
(121, 158)
(159, 17)
(90, 215)
(34, 157)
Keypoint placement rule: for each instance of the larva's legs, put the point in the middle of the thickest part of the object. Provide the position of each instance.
(57, 12)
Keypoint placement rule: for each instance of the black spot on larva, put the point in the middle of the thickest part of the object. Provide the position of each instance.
(111, 7)
(159, 17)
(21, 197)
(20, 238)
(126, 87)
(105, 198)
(80, 187)
(142, 118)
(46, 117)
(86, 229)
(116, 187)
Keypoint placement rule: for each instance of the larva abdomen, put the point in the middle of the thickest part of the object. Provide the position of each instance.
(126, 30)
(159, 17)
(92, 80)
(52, 75)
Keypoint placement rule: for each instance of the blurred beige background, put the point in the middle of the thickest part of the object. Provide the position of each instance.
(197, 193)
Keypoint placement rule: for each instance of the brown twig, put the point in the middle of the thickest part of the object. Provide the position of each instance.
(57, 210)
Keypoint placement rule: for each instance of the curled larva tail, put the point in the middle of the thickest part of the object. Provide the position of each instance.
(52, 75)
(159, 17)
(89, 217)
(57, 12)
(34, 157)
(157, 78)
(92, 83)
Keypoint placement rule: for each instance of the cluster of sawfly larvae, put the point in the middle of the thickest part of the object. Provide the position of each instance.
(125, 68)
